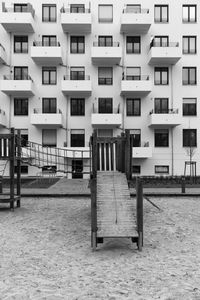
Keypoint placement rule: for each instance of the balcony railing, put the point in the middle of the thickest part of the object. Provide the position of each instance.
(129, 10)
(167, 44)
(14, 77)
(79, 11)
(112, 44)
(40, 111)
(115, 110)
(29, 9)
(43, 44)
(164, 111)
(68, 77)
(135, 77)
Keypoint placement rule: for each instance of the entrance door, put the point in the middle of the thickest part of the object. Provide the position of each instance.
(77, 168)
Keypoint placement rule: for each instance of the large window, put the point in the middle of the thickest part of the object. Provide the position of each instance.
(105, 75)
(189, 44)
(133, 44)
(161, 13)
(105, 105)
(161, 41)
(49, 137)
(161, 105)
(161, 76)
(20, 44)
(20, 107)
(189, 76)
(133, 107)
(189, 106)
(49, 13)
(189, 13)
(20, 7)
(49, 105)
(161, 137)
(133, 73)
(49, 75)
(161, 169)
(77, 107)
(77, 73)
(77, 44)
(77, 138)
(77, 8)
(135, 135)
(105, 13)
(20, 73)
(105, 41)
(49, 40)
(189, 138)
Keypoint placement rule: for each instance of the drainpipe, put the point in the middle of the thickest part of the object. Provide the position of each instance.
(10, 68)
(123, 71)
(67, 106)
(172, 130)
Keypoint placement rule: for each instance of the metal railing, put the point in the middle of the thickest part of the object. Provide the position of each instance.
(29, 9)
(69, 77)
(79, 11)
(128, 10)
(44, 44)
(135, 77)
(15, 77)
(115, 110)
(164, 111)
(106, 44)
(40, 111)
(163, 44)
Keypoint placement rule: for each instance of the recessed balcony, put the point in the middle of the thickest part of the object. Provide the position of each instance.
(109, 54)
(135, 21)
(43, 54)
(81, 87)
(136, 85)
(2, 55)
(80, 22)
(22, 87)
(143, 151)
(46, 120)
(168, 54)
(170, 118)
(20, 22)
(3, 119)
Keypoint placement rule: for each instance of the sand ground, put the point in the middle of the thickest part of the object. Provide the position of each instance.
(45, 253)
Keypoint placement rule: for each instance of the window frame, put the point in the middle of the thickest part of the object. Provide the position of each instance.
(103, 107)
(188, 20)
(78, 49)
(50, 18)
(158, 143)
(77, 140)
(53, 145)
(187, 110)
(50, 107)
(80, 110)
(21, 69)
(187, 139)
(161, 70)
(161, 110)
(132, 112)
(19, 101)
(105, 80)
(161, 166)
(133, 43)
(106, 20)
(188, 81)
(21, 44)
(49, 70)
(160, 20)
(189, 37)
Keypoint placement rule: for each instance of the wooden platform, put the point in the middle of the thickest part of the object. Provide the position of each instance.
(115, 208)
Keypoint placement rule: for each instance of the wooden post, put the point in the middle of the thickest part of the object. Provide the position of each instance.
(12, 166)
(183, 185)
(18, 167)
(139, 196)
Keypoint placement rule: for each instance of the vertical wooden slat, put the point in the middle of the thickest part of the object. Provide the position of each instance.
(18, 167)
(109, 157)
(114, 156)
(100, 157)
(12, 165)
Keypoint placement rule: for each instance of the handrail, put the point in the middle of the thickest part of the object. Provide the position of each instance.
(40, 111)
(68, 11)
(29, 9)
(69, 77)
(128, 10)
(112, 44)
(135, 77)
(43, 44)
(14, 77)
(166, 44)
(116, 110)
(166, 111)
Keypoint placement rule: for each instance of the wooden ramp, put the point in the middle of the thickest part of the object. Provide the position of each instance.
(116, 211)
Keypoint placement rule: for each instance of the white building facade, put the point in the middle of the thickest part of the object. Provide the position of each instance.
(108, 65)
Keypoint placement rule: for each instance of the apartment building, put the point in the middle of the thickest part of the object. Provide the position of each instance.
(69, 67)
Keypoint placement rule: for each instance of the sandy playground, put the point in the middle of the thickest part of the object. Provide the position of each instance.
(45, 253)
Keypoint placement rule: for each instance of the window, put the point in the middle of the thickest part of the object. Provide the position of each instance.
(77, 8)
(77, 107)
(189, 13)
(24, 137)
(189, 76)
(49, 75)
(48, 13)
(77, 44)
(189, 44)
(77, 73)
(49, 40)
(133, 73)
(49, 105)
(161, 13)
(161, 137)
(161, 105)
(105, 41)
(136, 169)
(133, 44)
(161, 76)
(189, 106)
(161, 41)
(133, 8)
(20, 44)
(135, 135)
(20, 73)
(105, 13)
(20, 107)
(133, 107)
(24, 169)
(77, 138)
(105, 76)
(162, 169)
(49, 137)
(189, 138)
(105, 105)
(20, 7)
(105, 132)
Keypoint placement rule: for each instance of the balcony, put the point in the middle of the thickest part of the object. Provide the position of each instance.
(143, 151)
(20, 22)
(2, 55)
(17, 87)
(80, 22)
(106, 120)
(170, 118)
(46, 120)
(82, 87)
(135, 85)
(46, 54)
(106, 55)
(133, 21)
(3, 119)
(168, 54)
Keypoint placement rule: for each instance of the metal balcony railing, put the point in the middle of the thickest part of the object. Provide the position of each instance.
(44, 44)
(69, 77)
(163, 44)
(164, 111)
(28, 9)
(80, 10)
(115, 110)
(129, 10)
(40, 111)
(16, 77)
(106, 44)
(135, 77)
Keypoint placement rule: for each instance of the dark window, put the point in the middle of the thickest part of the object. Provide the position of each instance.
(189, 138)
(77, 44)
(136, 169)
(161, 138)
(161, 76)
(77, 138)
(49, 40)
(161, 13)
(189, 76)
(49, 75)
(189, 13)
(20, 44)
(105, 41)
(105, 76)
(105, 13)
(20, 7)
(24, 169)
(77, 73)
(133, 44)
(189, 44)
(24, 140)
(77, 8)
(132, 73)
(49, 137)
(48, 13)
(77, 168)
(135, 135)
(20, 73)
(189, 106)
(77, 107)
(49, 105)
(161, 105)
(105, 105)
(20, 107)
(162, 169)
(133, 107)
(161, 41)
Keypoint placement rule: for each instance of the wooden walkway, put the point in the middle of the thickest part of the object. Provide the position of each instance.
(116, 211)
